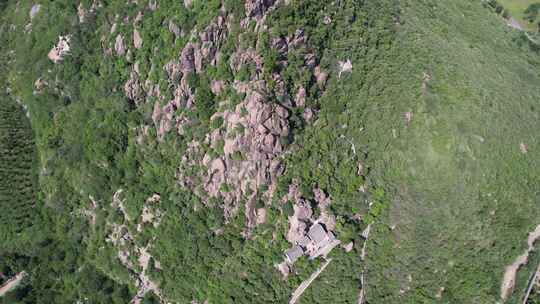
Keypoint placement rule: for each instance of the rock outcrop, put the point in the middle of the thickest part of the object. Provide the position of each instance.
(137, 39)
(345, 67)
(123, 240)
(60, 50)
(256, 8)
(119, 47)
(240, 159)
(34, 10)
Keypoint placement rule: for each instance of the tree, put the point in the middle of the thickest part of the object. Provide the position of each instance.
(506, 14)
(531, 13)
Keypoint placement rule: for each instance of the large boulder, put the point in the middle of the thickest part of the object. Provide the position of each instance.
(119, 45)
(256, 8)
(137, 39)
(60, 50)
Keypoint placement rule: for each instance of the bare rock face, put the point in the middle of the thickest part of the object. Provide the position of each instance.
(217, 86)
(240, 160)
(323, 201)
(39, 84)
(123, 238)
(308, 115)
(34, 10)
(133, 89)
(153, 5)
(284, 269)
(175, 29)
(138, 18)
(345, 67)
(256, 8)
(187, 59)
(174, 71)
(113, 28)
(62, 48)
(280, 45)
(348, 247)
(250, 157)
(300, 98)
(81, 12)
(245, 57)
(298, 222)
(298, 40)
(137, 39)
(320, 76)
(119, 45)
(310, 60)
(192, 59)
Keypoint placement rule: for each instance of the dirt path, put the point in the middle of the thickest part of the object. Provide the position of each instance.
(12, 283)
(300, 290)
(514, 24)
(533, 280)
(510, 273)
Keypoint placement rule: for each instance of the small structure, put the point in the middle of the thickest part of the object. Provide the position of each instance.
(293, 254)
(315, 243)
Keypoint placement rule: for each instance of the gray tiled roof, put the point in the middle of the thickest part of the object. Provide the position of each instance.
(317, 233)
(294, 253)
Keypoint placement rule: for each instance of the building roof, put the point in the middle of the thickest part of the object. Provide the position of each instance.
(294, 253)
(317, 233)
(304, 241)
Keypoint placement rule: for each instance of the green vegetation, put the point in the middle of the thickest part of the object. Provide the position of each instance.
(17, 173)
(423, 139)
(524, 11)
(461, 190)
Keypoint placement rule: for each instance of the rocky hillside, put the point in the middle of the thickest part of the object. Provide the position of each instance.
(187, 150)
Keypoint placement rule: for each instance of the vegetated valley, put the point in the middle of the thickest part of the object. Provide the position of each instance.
(268, 151)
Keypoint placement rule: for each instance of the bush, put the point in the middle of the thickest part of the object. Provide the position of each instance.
(506, 14)
(531, 13)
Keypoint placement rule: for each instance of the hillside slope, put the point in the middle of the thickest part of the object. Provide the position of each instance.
(185, 146)
(464, 174)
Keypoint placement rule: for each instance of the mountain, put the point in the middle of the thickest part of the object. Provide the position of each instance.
(268, 151)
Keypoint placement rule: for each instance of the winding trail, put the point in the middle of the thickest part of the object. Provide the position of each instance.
(510, 273)
(532, 281)
(12, 283)
(300, 290)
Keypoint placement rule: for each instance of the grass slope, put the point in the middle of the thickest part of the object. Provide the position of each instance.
(517, 10)
(463, 195)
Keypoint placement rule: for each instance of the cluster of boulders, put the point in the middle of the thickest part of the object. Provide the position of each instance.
(303, 214)
(124, 240)
(192, 59)
(83, 13)
(240, 160)
(257, 8)
(151, 214)
(252, 135)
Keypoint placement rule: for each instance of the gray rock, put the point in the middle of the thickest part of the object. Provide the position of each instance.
(34, 10)
(257, 8)
(137, 39)
(119, 45)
